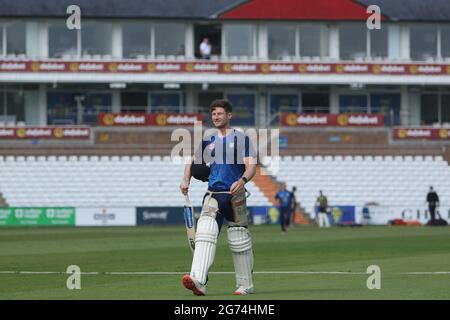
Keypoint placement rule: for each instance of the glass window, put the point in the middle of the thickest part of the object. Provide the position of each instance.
(165, 102)
(445, 41)
(282, 103)
(379, 42)
(387, 104)
(243, 108)
(135, 39)
(239, 40)
(1, 41)
(61, 40)
(281, 41)
(316, 102)
(352, 103)
(169, 39)
(93, 104)
(12, 106)
(445, 109)
(429, 109)
(423, 42)
(134, 101)
(313, 40)
(352, 41)
(15, 35)
(96, 38)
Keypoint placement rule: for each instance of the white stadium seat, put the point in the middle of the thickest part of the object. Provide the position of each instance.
(357, 180)
(84, 181)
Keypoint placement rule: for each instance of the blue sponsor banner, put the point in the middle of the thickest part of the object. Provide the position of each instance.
(340, 214)
(176, 215)
(161, 215)
(263, 215)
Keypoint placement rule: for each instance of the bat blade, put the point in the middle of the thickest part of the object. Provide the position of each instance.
(188, 213)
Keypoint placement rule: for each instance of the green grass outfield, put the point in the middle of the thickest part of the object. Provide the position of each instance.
(396, 250)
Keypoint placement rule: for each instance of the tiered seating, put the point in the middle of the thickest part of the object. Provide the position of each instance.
(97, 181)
(348, 180)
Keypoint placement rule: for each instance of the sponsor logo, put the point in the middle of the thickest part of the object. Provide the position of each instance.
(112, 67)
(27, 214)
(155, 215)
(13, 66)
(202, 67)
(391, 69)
(291, 119)
(312, 119)
(339, 68)
(402, 133)
(6, 132)
(418, 133)
(128, 67)
(342, 120)
(281, 68)
(21, 133)
(161, 119)
(90, 67)
(35, 132)
(444, 133)
(167, 67)
(59, 132)
(73, 132)
(52, 66)
(104, 216)
(302, 68)
(151, 67)
(413, 69)
(182, 119)
(363, 120)
(108, 119)
(227, 67)
(35, 66)
(356, 68)
(242, 67)
(429, 69)
(73, 67)
(129, 119)
(58, 214)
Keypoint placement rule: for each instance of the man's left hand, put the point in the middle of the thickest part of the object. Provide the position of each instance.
(237, 186)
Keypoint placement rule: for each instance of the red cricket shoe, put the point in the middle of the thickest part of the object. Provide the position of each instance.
(190, 283)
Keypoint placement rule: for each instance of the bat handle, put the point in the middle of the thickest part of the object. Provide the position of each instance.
(186, 199)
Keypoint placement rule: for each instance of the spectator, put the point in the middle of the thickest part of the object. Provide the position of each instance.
(322, 203)
(205, 49)
(433, 203)
(284, 198)
(290, 222)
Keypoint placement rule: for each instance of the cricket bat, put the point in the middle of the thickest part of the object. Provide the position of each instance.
(190, 222)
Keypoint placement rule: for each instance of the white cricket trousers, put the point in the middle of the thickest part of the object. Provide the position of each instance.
(323, 220)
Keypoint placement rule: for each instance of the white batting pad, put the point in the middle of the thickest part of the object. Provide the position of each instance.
(240, 242)
(205, 247)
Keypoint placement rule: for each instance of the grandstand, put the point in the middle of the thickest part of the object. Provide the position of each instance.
(397, 181)
(86, 115)
(99, 181)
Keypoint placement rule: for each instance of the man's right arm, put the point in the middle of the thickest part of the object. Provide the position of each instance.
(184, 186)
